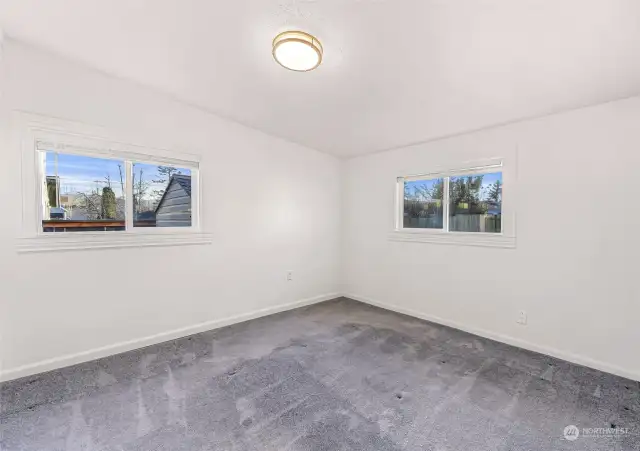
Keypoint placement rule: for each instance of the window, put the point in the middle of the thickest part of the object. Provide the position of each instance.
(161, 196)
(89, 194)
(83, 194)
(423, 206)
(454, 206)
(475, 203)
(83, 188)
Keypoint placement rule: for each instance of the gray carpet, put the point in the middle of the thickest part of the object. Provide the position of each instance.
(339, 375)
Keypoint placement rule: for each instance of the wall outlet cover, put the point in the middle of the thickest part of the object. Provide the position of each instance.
(522, 317)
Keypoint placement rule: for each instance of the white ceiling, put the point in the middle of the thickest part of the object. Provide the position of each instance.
(395, 71)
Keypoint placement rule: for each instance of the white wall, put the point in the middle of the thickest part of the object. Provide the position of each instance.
(575, 269)
(271, 205)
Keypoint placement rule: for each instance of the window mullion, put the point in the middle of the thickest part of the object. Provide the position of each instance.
(445, 205)
(128, 198)
(400, 203)
(195, 200)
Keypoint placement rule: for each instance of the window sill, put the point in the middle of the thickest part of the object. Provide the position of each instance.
(454, 238)
(105, 240)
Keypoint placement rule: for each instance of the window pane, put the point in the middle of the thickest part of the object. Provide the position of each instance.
(161, 196)
(423, 204)
(82, 194)
(476, 203)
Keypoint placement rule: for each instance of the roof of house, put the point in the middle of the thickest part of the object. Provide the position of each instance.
(183, 180)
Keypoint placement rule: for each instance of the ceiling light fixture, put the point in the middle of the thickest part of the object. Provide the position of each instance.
(297, 50)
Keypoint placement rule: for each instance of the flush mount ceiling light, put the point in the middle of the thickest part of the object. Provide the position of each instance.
(297, 50)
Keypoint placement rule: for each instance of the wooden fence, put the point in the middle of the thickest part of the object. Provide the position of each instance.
(475, 223)
(457, 223)
(98, 225)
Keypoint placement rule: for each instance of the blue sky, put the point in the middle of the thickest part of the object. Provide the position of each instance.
(487, 180)
(428, 184)
(85, 174)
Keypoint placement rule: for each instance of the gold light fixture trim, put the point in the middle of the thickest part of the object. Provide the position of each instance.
(297, 51)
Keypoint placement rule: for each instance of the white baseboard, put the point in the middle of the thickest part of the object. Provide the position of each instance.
(557, 353)
(105, 351)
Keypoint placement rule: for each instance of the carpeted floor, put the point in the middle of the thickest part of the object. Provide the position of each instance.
(339, 375)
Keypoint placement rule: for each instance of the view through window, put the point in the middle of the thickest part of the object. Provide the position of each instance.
(474, 203)
(161, 196)
(423, 204)
(83, 193)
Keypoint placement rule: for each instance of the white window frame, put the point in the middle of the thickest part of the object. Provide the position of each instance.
(505, 239)
(35, 135)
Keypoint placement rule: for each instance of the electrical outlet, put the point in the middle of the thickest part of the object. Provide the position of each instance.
(289, 276)
(522, 318)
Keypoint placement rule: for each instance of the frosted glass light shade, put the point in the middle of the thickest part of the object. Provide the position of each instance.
(297, 50)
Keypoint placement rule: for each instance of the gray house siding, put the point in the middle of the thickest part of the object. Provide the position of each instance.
(174, 209)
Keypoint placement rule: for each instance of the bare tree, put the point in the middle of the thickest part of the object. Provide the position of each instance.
(140, 187)
(164, 175)
(91, 204)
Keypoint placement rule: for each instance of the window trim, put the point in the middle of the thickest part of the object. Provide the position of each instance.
(505, 239)
(31, 134)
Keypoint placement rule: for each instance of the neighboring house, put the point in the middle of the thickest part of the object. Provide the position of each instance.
(174, 208)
